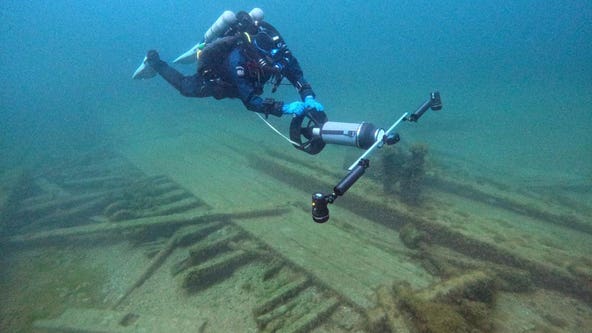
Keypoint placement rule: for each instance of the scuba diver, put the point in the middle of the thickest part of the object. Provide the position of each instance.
(238, 56)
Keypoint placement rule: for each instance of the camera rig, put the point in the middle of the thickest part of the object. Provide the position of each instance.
(312, 131)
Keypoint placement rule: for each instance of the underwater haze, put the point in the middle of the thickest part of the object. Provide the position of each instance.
(514, 76)
(500, 208)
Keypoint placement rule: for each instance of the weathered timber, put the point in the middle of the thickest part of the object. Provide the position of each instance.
(50, 187)
(102, 182)
(109, 321)
(476, 282)
(394, 216)
(215, 242)
(177, 238)
(175, 207)
(173, 220)
(281, 295)
(215, 270)
(313, 318)
(47, 207)
(393, 319)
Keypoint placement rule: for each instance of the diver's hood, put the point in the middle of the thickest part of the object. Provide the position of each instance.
(268, 40)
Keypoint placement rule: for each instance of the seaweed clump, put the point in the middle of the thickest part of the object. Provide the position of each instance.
(17, 186)
(132, 202)
(412, 236)
(43, 283)
(461, 304)
(435, 317)
(413, 174)
(404, 173)
(460, 315)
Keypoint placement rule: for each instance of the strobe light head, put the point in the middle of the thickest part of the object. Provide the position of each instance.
(320, 211)
(435, 101)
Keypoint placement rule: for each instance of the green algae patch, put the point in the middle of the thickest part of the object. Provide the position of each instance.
(435, 317)
(42, 283)
(459, 315)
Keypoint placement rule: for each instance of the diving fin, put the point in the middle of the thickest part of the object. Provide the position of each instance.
(188, 57)
(144, 71)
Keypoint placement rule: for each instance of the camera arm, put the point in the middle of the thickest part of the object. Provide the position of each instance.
(434, 103)
(320, 211)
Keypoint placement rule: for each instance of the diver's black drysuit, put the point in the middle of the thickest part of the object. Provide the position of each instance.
(233, 68)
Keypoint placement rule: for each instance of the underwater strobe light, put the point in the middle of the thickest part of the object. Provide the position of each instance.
(320, 211)
(312, 131)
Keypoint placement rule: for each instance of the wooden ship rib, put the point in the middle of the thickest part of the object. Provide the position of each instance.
(216, 251)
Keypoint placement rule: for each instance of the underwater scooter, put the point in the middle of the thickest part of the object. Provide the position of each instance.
(312, 131)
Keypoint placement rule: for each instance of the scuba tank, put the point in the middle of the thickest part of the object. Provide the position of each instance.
(256, 14)
(226, 21)
(221, 26)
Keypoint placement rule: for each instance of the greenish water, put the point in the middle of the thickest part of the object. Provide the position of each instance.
(514, 78)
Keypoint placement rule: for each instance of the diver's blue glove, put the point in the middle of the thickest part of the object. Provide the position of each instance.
(295, 108)
(311, 103)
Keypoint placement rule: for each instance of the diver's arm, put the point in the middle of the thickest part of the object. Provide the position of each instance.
(247, 92)
(294, 74)
(266, 106)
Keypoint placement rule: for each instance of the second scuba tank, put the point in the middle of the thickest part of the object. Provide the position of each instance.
(226, 21)
(222, 24)
(256, 14)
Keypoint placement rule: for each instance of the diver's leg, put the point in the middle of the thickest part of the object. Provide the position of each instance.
(171, 75)
(191, 86)
(167, 72)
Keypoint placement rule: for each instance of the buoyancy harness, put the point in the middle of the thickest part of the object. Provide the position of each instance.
(259, 42)
(213, 55)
